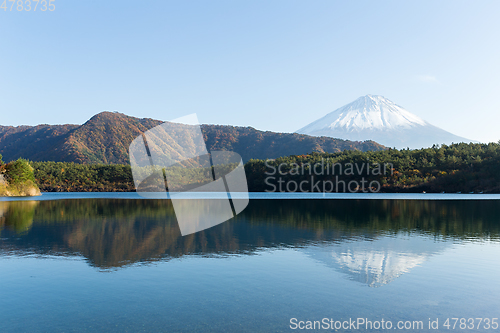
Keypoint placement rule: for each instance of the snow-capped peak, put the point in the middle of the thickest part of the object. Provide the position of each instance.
(376, 118)
(367, 112)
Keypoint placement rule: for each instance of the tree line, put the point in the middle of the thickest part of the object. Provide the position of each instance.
(450, 168)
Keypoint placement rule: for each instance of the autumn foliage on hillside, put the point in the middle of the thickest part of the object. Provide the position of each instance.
(106, 137)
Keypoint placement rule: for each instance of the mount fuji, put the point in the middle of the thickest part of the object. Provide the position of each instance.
(376, 118)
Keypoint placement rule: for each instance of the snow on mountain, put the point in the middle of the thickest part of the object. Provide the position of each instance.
(377, 261)
(379, 119)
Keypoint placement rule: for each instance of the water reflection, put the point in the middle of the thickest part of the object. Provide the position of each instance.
(378, 261)
(373, 242)
(17, 215)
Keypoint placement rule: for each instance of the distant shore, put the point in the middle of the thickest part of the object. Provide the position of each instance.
(457, 168)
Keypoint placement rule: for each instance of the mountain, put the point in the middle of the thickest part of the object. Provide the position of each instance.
(105, 138)
(102, 139)
(379, 119)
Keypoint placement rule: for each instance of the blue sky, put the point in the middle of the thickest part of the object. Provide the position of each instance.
(273, 65)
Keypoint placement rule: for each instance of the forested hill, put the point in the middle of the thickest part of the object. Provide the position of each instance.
(102, 139)
(251, 143)
(105, 139)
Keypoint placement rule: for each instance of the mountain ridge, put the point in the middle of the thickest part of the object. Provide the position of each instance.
(105, 138)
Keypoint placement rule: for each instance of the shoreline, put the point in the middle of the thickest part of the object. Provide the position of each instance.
(256, 196)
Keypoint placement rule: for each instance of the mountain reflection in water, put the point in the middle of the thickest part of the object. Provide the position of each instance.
(372, 241)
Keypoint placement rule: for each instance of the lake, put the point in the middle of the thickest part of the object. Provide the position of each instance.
(117, 263)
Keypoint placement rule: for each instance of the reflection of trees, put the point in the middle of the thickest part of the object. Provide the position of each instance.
(112, 242)
(69, 210)
(2, 213)
(440, 218)
(17, 215)
(113, 233)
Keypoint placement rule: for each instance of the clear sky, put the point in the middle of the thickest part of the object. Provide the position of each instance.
(273, 65)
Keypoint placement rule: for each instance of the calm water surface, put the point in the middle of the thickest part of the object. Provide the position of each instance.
(116, 264)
